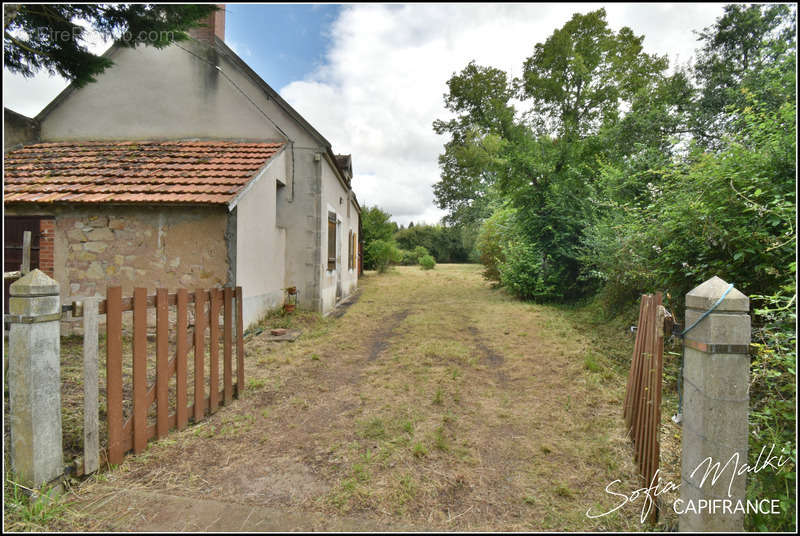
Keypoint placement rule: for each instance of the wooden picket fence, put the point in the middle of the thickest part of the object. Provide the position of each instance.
(642, 409)
(133, 432)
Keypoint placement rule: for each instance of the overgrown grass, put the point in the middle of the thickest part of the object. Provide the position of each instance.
(28, 510)
(432, 394)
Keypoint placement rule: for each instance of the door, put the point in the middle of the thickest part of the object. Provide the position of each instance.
(14, 226)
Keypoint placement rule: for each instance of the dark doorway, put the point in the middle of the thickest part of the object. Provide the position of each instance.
(14, 226)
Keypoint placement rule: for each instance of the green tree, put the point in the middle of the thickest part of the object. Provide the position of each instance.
(481, 95)
(445, 243)
(49, 36)
(375, 225)
(581, 85)
(749, 47)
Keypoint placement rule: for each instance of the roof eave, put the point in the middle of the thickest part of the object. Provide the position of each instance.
(256, 177)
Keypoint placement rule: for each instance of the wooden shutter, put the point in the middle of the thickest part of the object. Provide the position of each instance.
(331, 241)
(355, 251)
(350, 250)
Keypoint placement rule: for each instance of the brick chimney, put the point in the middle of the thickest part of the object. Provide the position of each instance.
(214, 25)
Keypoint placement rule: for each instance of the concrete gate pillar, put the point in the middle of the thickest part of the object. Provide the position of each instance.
(715, 406)
(34, 379)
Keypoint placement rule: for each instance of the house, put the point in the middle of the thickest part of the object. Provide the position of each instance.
(181, 167)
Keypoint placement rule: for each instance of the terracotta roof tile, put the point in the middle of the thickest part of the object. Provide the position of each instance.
(197, 172)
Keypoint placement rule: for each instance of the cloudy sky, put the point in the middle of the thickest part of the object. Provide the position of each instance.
(370, 78)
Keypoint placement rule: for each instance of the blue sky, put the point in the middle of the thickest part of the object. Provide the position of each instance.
(370, 77)
(282, 43)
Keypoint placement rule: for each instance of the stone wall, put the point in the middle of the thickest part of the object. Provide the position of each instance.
(100, 246)
(150, 247)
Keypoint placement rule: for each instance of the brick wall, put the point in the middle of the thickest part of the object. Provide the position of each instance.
(47, 231)
(214, 25)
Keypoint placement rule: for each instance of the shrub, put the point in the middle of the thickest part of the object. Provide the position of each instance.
(427, 262)
(419, 252)
(529, 274)
(407, 258)
(773, 397)
(383, 254)
(493, 234)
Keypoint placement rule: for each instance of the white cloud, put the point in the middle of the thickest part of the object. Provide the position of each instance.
(381, 86)
(29, 96)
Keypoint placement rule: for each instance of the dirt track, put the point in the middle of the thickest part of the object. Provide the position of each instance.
(433, 403)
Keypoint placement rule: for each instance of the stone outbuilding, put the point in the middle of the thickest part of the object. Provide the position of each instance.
(182, 168)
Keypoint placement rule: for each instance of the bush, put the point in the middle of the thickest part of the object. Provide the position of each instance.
(383, 254)
(530, 274)
(493, 234)
(412, 257)
(773, 394)
(427, 262)
(407, 258)
(419, 252)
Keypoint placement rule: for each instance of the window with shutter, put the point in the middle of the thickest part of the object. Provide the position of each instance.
(331, 241)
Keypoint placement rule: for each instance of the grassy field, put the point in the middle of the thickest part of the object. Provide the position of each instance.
(435, 402)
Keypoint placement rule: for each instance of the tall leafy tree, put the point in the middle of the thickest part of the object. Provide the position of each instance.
(376, 225)
(53, 37)
(579, 86)
(481, 97)
(749, 51)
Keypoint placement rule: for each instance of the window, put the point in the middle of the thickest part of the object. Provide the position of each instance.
(331, 241)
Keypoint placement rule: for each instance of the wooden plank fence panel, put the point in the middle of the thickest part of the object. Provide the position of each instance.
(135, 431)
(182, 348)
(199, 351)
(642, 407)
(213, 318)
(162, 363)
(239, 344)
(227, 342)
(646, 426)
(140, 406)
(114, 373)
(628, 406)
(640, 392)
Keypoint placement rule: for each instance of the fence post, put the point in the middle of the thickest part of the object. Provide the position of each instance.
(715, 406)
(91, 417)
(34, 379)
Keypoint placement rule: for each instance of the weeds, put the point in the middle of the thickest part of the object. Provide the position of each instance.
(419, 450)
(30, 510)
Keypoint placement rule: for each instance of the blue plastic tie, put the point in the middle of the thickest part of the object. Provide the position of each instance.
(683, 345)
